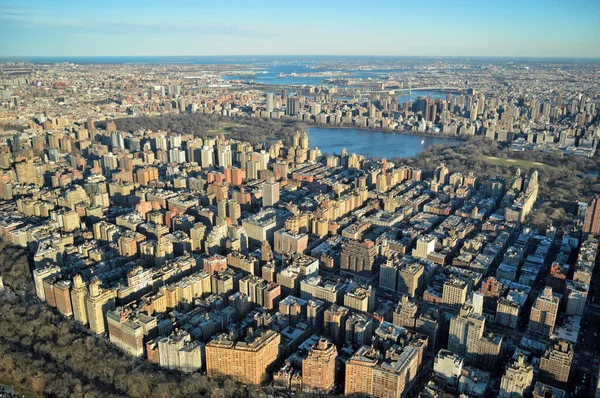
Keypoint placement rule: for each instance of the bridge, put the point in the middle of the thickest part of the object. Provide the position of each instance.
(409, 90)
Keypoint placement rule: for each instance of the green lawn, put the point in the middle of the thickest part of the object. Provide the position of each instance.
(515, 162)
(224, 128)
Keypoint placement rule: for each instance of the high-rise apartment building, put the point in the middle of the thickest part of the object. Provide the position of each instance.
(177, 351)
(248, 361)
(358, 329)
(405, 314)
(335, 322)
(78, 293)
(207, 156)
(454, 292)
(429, 324)
(403, 277)
(410, 279)
(360, 298)
(507, 312)
(425, 245)
(467, 338)
(360, 257)
(270, 193)
(518, 378)
(541, 390)
(543, 314)
(371, 374)
(98, 302)
(26, 173)
(288, 241)
(62, 297)
(39, 274)
(317, 287)
(555, 364)
(318, 368)
(293, 106)
(127, 330)
(448, 366)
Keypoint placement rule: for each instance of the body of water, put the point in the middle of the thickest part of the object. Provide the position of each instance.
(371, 143)
(287, 74)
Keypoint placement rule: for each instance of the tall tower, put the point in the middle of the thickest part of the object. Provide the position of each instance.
(304, 142)
(98, 302)
(543, 314)
(318, 368)
(270, 193)
(221, 211)
(293, 106)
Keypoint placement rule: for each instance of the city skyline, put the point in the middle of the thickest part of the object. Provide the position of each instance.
(423, 222)
(534, 29)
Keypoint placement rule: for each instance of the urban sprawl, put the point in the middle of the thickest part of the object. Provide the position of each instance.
(273, 264)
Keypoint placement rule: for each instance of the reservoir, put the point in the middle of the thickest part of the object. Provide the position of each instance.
(370, 143)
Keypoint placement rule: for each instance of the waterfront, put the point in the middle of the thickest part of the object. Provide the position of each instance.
(302, 74)
(373, 142)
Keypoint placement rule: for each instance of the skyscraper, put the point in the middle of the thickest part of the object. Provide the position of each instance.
(293, 106)
(270, 102)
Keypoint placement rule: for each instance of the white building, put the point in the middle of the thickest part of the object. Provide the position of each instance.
(270, 193)
(448, 366)
(517, 379)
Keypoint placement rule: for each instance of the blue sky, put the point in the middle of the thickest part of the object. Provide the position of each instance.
(536, 28)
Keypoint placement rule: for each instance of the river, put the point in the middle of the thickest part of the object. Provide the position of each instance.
(371, 143)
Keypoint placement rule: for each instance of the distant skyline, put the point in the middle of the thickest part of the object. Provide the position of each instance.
(534, 28)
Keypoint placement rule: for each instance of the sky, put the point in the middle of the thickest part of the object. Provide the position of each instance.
(511, 28)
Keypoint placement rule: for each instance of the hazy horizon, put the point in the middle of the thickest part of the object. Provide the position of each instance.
(68, 28)
(302, 55)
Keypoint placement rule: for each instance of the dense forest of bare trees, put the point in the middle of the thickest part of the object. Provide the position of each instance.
(43, 353)
(48, 355)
